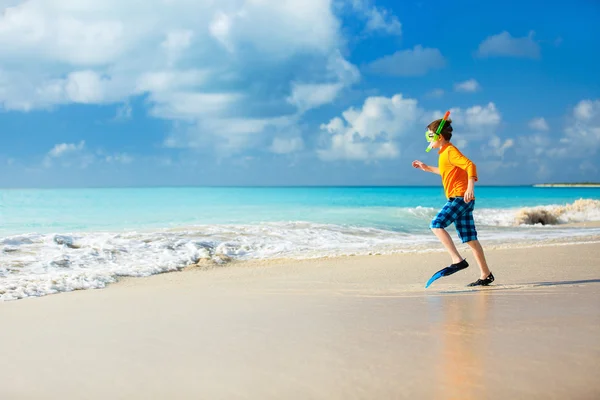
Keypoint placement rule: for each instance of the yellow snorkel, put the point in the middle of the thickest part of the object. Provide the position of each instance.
(433, 137)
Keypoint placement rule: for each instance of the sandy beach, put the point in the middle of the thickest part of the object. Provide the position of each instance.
(340, 328)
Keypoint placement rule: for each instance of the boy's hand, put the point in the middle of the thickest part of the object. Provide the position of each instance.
(469, 194)
(420, 165)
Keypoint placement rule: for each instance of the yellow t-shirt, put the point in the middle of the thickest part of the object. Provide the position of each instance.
(455, 169)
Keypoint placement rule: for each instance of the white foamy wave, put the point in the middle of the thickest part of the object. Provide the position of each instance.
(41, 264)
(583, 210)
(36, 265)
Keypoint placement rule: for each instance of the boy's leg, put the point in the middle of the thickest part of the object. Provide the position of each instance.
(448, 244)
(443, 219)
(465, 226)
(480, 258)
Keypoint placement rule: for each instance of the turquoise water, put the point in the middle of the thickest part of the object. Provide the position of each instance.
(68, 210)
(61, 240)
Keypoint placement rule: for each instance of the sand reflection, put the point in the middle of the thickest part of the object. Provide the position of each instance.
(463, 320)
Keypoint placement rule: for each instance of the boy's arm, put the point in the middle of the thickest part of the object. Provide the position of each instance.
(435, 170)
(457, 159)
(425, 167)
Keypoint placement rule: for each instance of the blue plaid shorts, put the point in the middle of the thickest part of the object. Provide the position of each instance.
(461, 214)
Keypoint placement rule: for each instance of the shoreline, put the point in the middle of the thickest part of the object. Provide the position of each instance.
(341, 328)
(68, 283)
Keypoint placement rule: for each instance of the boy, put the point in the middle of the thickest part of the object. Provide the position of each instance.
(458, 178)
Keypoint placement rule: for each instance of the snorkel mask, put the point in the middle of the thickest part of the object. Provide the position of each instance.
(433, 137)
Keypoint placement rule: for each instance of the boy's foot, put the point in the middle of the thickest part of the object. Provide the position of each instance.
(483, 282)
(454, 268)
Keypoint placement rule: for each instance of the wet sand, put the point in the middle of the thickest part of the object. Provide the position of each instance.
(343, 328)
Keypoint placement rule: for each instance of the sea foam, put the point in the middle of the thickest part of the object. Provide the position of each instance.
(582, 210)
(40, 264)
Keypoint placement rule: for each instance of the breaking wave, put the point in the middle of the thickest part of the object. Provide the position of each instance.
(582, 210)
(38, 264)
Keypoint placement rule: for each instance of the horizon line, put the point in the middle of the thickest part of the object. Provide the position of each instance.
(285, 186)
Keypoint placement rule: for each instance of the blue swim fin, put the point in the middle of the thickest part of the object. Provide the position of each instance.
(435, 277)
(447, 271)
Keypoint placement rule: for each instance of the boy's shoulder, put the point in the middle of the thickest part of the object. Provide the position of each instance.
(452, 148)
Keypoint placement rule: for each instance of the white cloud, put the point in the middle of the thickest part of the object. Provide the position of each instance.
(539, 124)
(192, 105)
(473, 123)
(62, 149)
(581, 136)
(220, 29)
(241, 132)
(470, 85)
(282, 145)
(68, 155)
(378, 18)
(377, 130)
(498, 147)
(477, 118)
(369, 133)
(311, 95)
(505, 45)
(273, 27)
(340, 74)
(584, 129)
(175, 43)
(85, 87)
(165, 80)
(586, 110)
(178, 40)
(416, 62)
(218, 66)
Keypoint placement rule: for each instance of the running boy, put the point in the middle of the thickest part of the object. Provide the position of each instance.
(458, 178)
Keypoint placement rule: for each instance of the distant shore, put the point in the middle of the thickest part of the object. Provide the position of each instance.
(567, 185)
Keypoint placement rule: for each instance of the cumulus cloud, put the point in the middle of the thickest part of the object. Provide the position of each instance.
(62, 149)
(382, 125)
(580, 139)
(470, 85)
(378, 19)
(77, 155)
(368, 133)
(583, 132)
(539, 124)
(477, 118)
(339, 75)
(505, 45)
(68, 155)
(412, 62)
(498, 146)
(225, 68)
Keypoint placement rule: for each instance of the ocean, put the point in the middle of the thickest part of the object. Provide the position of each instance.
(70, 239)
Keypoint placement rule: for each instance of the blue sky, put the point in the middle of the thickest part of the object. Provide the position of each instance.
(311, 92)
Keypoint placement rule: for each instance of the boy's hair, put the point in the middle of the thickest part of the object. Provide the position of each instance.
(446, 130)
